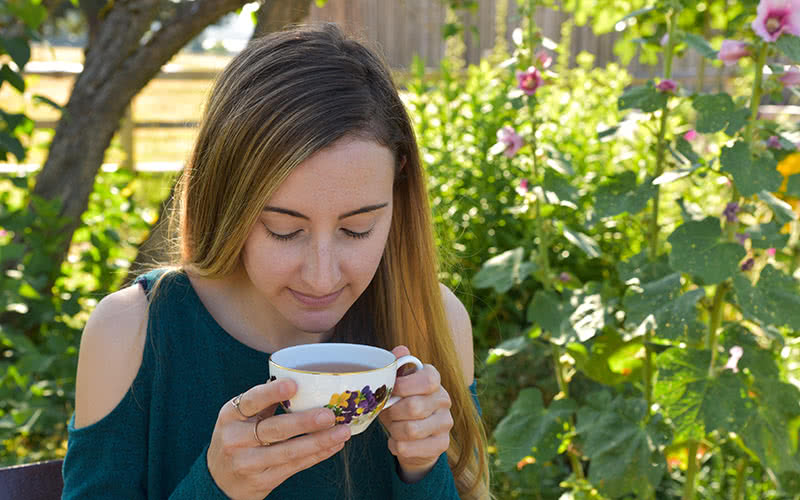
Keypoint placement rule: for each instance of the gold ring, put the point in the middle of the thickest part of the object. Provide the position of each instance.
(235, 402)
(255, 433)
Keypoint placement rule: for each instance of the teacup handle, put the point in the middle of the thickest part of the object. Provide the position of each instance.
(402, 361)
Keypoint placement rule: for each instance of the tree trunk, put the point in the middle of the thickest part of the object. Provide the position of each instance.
(273, 15)
(120, 60)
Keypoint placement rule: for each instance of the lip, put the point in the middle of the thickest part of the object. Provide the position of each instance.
(313, 301)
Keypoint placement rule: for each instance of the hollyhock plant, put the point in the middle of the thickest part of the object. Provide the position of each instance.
(790, 78)
(690, 135)
(530, 80)
(522, 189)
(773, 142)
(775, 17)
(667, 86)
(508, 141)
(544, 58)
(731, 209)
(731, 51)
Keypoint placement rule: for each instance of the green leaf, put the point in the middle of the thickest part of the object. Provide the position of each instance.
(750, 177)
(40, 99)
(793, 186)
(530, 429)
(609, 359)
(718, 111)
(18, 49)
(507, 348)
(790, 46)
(685, 148)
(700, 44)
(637, 13)
(646, 97)
(576, 316)
(641, 269)
(699, 249)
(767, 236)
(773, 301)
(558, 190)
(12, 145)
(582, 241)
(625, 452)
(696, 403)
(782, 210)
(503, 271)
(759, 361)
(620, 193)
(659, 305)
(12, 77)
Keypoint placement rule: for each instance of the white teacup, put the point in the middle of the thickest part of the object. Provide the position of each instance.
(325, 377)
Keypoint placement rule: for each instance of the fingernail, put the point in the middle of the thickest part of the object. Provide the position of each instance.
(324, 418)
(342, 432)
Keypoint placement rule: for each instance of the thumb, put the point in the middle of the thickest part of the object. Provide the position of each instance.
(400, 351)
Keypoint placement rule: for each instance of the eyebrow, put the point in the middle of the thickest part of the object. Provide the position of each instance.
(362, 210)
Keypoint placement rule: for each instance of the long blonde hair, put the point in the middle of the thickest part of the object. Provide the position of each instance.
(284, 97)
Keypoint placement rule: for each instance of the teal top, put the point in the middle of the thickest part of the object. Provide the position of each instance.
(153, 443)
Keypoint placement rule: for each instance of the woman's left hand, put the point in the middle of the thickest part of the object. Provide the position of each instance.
(419, 424)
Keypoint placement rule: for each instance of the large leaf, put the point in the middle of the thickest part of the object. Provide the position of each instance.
(18, 49)
(576, 316)
(773, 301)
(700, 44)
(767, 236)
(645, 97)
(793, 185)
(717, 112)
(530, 429)
(782, 210)
(608, 358)
(750, 177)
(582, 241)
(624, 450)
(699, 249)
(558, 190)
(659, 305)
(640, 269)
(503, 271)
(621, 194)
(696, 403)
(790, 46)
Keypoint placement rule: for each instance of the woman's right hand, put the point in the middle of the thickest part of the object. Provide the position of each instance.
(242, 467)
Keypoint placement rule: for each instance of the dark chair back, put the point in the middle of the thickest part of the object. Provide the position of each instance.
(39, 481)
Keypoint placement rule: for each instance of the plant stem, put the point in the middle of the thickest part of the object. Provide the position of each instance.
(662, 131)
(756, 97)
(577, 468)
(648, 373)
(738, 493)
(714, 323)
(691, 471)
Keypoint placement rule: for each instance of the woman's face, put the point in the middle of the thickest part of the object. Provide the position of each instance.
(319, 240)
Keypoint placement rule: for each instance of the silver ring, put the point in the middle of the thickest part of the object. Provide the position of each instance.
(235, 402)
(255, 433)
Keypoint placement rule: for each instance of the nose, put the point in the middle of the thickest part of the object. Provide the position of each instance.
(321, 272)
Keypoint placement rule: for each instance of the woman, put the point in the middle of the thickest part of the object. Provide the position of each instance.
(303, 218)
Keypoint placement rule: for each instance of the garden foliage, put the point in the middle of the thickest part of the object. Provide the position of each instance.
(628, 251)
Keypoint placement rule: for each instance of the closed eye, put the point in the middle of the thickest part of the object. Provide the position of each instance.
(282, 237)
(354, 234)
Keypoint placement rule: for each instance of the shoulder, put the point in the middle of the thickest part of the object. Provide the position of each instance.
(461, 330)
(110, 353)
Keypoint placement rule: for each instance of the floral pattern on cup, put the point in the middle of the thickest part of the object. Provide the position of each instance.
(349, 406)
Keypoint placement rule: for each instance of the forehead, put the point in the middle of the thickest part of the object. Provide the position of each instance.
(349, 172)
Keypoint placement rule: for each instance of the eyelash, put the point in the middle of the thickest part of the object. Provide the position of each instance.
(290, 236)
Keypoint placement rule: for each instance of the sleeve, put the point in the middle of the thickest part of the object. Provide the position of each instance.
(198, 483)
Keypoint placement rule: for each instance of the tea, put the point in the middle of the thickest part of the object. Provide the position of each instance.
(334, 367)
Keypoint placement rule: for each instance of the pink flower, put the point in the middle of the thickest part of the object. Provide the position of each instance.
(522, 189)
(773, 142)
(791, 78)
(771, 252)
(3, 233)
(736, 354)
(510, 139)
(564, 277)
(544, 58)
(665, 40)
(667, 86)
(731, 51)
(690, 135)
(774, 17)
(530, 80)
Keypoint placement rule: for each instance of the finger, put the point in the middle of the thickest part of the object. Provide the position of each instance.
(425, 381)
(400, 351)
(286, 470)
(420, 450)
(288, 425)
(441, 421)
(297, 449)
(257, 400)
